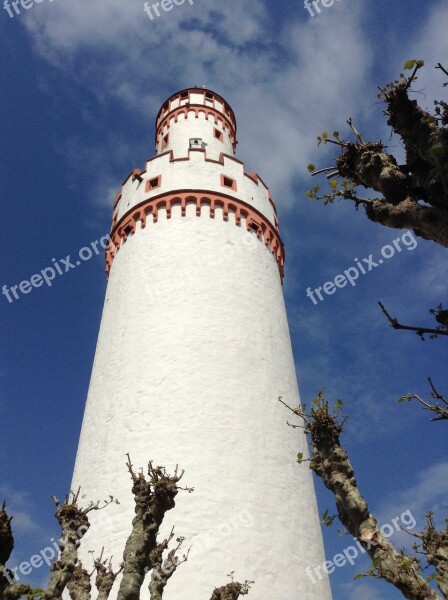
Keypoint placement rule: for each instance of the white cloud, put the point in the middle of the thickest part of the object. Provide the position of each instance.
(356, 590)
(284, 93)
(432, 46)
(427, 493)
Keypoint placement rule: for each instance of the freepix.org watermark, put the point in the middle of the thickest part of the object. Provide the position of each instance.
(350, 554)
(59, 267)
(309, 4)
(351, 275)
(26, 4)
(166, 5)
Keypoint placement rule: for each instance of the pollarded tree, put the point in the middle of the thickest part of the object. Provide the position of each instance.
(412, 196)
(154, 497)
(329, 461)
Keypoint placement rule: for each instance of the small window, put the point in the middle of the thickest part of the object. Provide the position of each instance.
(228, 182)
(153, 183)
(218, 135)
(209, 95)
(165, 141)
(128, 230)
(184, 94)
(197, 143)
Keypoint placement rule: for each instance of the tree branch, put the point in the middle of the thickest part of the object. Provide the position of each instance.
(105, 576)
(441, 411)
(424, 177)
(435, 546)
(79, 584)
(164, 569)
(419, 330)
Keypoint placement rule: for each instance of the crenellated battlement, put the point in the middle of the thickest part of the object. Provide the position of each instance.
(164, 173)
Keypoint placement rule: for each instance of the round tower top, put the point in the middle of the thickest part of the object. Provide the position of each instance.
(195, 98)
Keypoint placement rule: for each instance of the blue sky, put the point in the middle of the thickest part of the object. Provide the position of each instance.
(83, 81)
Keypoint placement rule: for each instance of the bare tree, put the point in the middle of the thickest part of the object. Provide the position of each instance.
(409, 196)
(412, 196)
(330, 463)
(154, 496)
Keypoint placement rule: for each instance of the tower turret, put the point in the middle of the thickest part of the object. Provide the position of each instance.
(196, 118)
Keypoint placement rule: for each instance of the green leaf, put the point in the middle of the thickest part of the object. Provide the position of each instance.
(311, 168)
(325, 135)
(419, 63)
(338, 403)
(404, 398)
(300, 458)
(409, 64)
(333, 183)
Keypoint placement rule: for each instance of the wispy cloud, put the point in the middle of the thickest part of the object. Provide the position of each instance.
(428, 492)
(307, 66)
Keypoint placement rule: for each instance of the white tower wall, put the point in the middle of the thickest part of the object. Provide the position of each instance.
(193, 353)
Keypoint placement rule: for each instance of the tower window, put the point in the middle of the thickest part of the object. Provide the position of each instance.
(197, 143)
(165, 141)
(228, 182)
(153, 183)
(218, 134)
(184, 95)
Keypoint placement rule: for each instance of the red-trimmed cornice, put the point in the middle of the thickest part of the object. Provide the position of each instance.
(254, 220)
(183, 94)
(185, 109)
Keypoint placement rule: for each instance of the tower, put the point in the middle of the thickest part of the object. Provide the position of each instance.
(193, 352)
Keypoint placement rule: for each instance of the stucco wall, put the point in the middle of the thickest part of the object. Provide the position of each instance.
(193, 352)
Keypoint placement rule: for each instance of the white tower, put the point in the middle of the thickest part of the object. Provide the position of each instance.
(193, 353)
